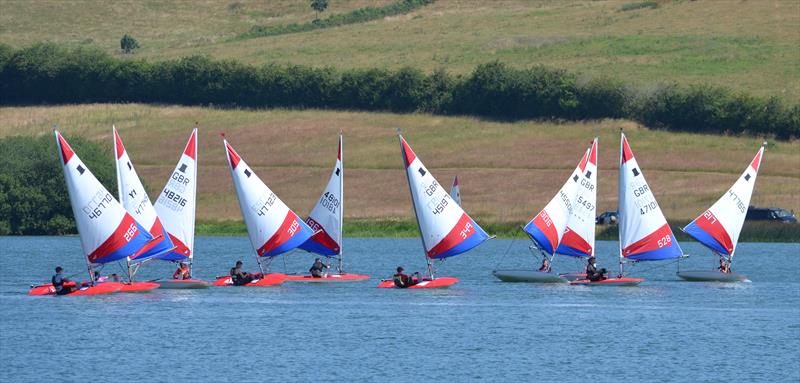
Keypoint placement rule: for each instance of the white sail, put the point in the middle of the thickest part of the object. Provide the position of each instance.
(176, 205)
(718, 228)
(644, 234)
(108, 233)
(273, 228)
(135, 200)
(326, 217)
(455, 191)
(578, 238)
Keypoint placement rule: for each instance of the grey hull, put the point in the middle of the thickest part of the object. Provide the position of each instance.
(710, 276)
(530, 276)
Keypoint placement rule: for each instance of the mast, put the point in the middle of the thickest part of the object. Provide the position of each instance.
(413, 205)
(620, 186)
(194, 211)
(341, 204)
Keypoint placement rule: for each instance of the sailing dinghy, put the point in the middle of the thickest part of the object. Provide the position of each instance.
(326, 219)
(273, 228)
(108, 232)
(644, 234)
(455, 191)
(445, 229)
(565, 225)
(176, 207)
(718, 228)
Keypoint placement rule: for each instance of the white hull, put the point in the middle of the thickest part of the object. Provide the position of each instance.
(710, 276)
(530, 276)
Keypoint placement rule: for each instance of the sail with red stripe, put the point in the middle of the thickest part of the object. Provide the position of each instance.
(326, 217)
(718, 228)
(578, 238)
(108, 233)
(135, 200)
(547, 228)
(177, 203)
(273, 228)
(455, 191)
(445, 228)
(644, 234)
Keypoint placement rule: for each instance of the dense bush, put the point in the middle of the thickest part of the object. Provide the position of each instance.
(45, 73)
(360, 15)
(33, 195)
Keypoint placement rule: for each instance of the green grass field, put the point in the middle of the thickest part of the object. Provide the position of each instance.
(746, 45)
(508, 171)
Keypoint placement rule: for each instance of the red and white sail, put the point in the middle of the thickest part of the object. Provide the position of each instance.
(718, 228)
(326, 217)
(644, 234)
(177, 203)
(455, 191)
(273, 228)
(135, 200)
(108, 233)
(578, 239)
(445, 228)
(548, 227)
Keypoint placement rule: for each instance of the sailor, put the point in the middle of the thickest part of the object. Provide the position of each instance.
(98, 278)
(59, 280)
(317, 267)
(723, 266)
(545, 265)
(239, 277)
(592, 273)
(402, 280)
(182, 272)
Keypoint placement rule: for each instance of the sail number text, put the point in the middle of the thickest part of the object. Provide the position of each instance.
(737, 201)
(131, 232)
(101, 200)
(261, 207)
(329, 201)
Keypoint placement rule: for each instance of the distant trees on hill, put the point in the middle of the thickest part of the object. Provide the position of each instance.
(319, 6)
(46, 73)
(33, 195)
(128, 44)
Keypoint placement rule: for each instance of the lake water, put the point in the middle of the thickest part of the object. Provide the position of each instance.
(480, 329)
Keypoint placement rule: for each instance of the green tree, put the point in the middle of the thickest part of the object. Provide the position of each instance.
(128, 43)
(319, 6)
(33, 195)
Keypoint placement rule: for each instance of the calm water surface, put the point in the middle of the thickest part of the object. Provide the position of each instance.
(481, 329)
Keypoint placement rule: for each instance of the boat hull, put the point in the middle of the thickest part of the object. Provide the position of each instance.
(529, 276)
(136, 287)
(437, 283)
(328, 278)
(573, 276)
(103, 288)
(710, 276)
(182, 284)
(624, 281)
(270, 279)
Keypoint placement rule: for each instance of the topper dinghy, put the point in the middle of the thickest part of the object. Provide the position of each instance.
(565, 226)
(444, 228)
(176, 207)
(108, 233)
(273, 228)
(326, 220)
(644, 234)
(718, 228)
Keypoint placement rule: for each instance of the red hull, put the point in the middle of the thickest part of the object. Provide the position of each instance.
(182, 284)
(103, 288)
(136, 287)
(270, 279)
(624, 281)
(426, 284)
(328, 278)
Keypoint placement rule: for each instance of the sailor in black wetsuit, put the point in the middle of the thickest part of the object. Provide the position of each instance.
(317, 267)
(239, 277)
(59, 280)
(592, 273)
(402, 280)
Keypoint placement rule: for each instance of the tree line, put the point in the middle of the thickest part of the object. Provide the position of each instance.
(48, 74)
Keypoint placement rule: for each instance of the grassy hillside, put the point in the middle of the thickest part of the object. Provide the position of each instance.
(746, 45)
(508, 171)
